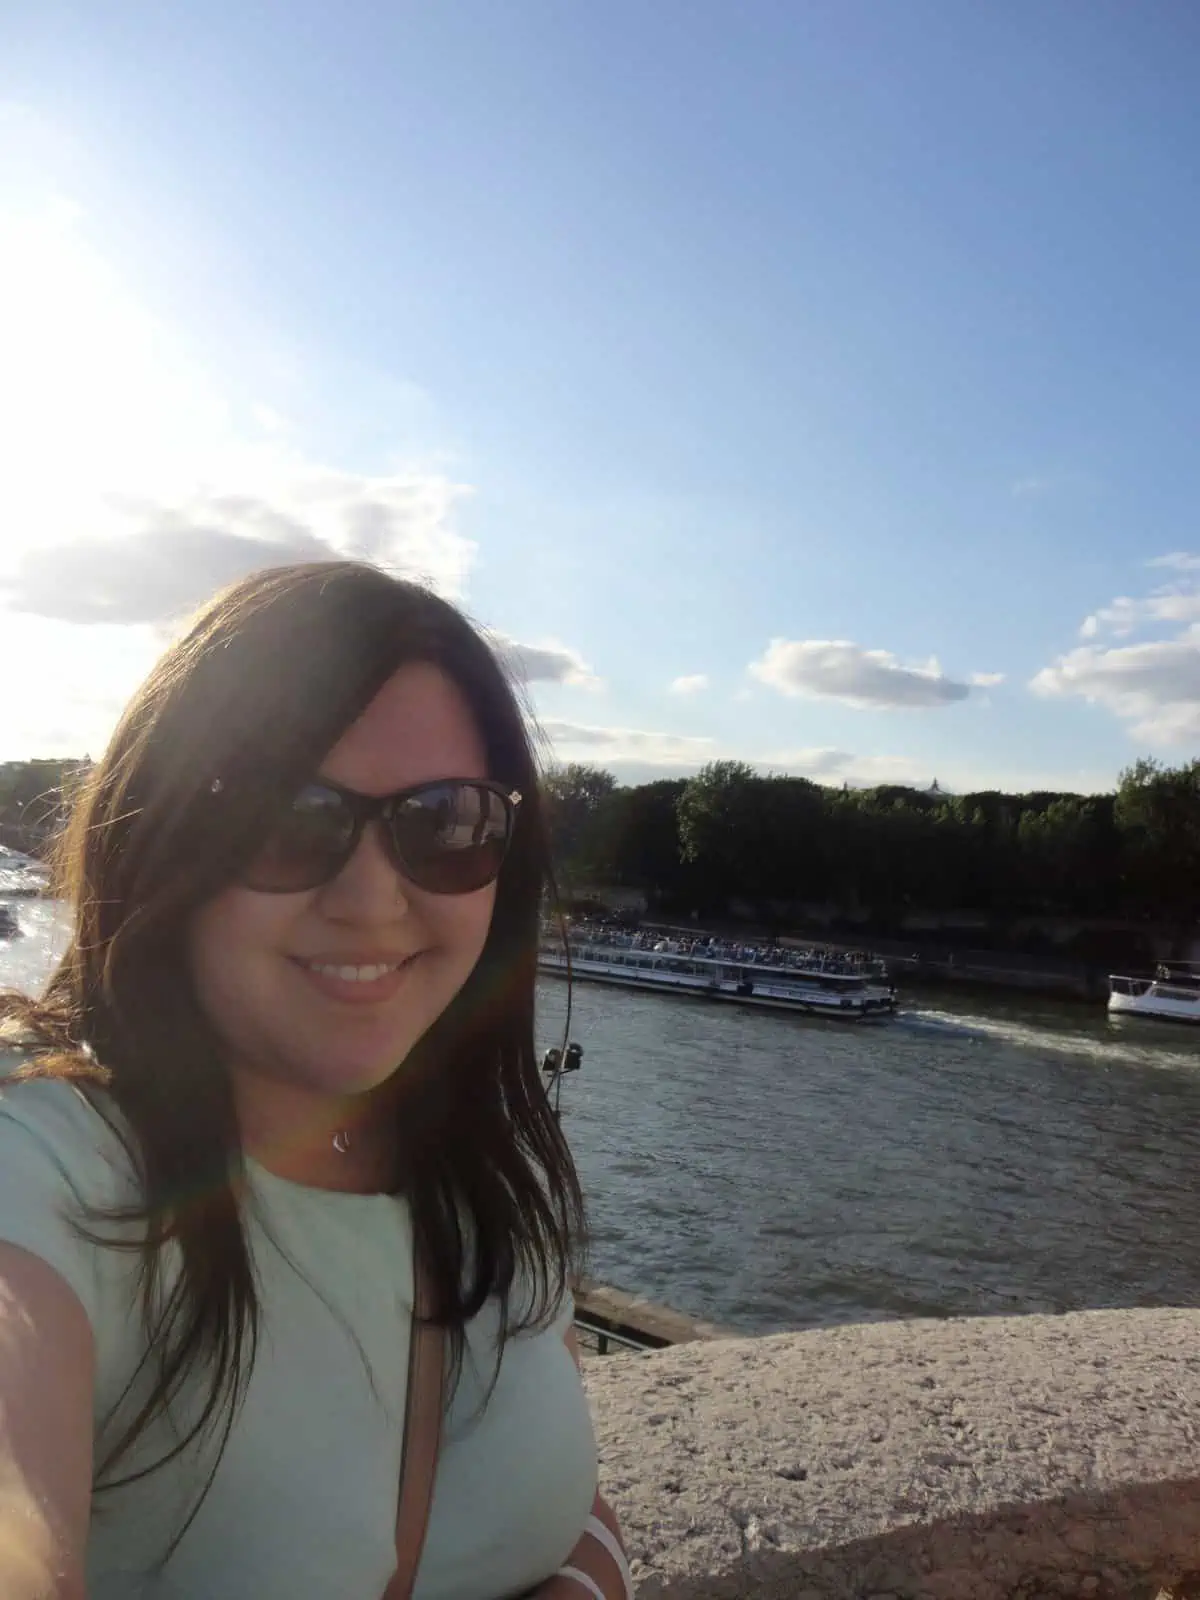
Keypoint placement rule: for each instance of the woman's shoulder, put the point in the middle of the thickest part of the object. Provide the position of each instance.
(77, 1127)
(63, 1165)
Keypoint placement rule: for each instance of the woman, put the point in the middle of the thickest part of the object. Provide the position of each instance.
(289, 1050)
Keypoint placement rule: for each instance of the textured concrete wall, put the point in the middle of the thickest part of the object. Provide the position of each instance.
(970, 1459)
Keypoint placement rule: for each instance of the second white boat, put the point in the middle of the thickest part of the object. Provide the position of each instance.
(1172, 994)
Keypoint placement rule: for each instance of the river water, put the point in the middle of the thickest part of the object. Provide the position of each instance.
(967, 1157)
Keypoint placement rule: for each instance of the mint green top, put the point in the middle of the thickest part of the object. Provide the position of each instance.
(303, 1504)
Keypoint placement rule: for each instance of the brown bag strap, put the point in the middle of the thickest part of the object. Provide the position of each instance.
(422, 1437)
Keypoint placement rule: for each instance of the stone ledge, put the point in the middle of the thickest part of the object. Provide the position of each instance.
(967, 1459)
(633, 1314)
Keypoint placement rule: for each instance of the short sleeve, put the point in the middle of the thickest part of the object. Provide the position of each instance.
(58, 1159)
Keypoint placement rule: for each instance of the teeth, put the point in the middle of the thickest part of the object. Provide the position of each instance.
(353, 974)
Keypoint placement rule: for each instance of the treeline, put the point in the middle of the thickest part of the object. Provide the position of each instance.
(780, 843)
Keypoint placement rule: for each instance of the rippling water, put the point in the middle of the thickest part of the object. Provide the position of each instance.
(771, 1172)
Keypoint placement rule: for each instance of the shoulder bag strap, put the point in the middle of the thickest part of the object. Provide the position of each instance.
(422, 1437)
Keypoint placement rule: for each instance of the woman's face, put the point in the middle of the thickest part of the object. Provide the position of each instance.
(255, 957)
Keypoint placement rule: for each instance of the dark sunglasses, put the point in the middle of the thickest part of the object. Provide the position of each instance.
(447, 837)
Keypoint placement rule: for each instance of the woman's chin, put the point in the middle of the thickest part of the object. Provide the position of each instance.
(354, 1074)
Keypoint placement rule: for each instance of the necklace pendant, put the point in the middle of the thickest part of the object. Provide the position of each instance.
(341, 1141)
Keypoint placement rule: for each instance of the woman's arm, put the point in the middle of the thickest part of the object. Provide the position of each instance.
(45, 1431)
(591, 1557)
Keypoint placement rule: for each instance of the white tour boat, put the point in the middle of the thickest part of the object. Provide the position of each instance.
(825, 987)
(1172, 993)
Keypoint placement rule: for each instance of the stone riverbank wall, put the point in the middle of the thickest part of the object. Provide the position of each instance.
(967, 1459)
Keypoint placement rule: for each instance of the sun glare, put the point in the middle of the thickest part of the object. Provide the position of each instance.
(99, 403)
(95, 395)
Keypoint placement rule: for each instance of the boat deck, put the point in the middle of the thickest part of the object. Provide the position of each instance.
(816, 991)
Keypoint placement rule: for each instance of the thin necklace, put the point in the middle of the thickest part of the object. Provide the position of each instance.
(341, 1141)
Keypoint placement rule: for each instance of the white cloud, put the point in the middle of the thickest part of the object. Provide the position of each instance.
(835, 669)
(587, 742)
(834, 767)
(986, 680)
(549, 662)
(692, 684)
(92, 613)
(1174, 604)
(826, 764)
(954, 776)
(1155, 686)
(1152, 684)
(636, 756)
(1180, 560)
(1126, 614)
(159, 559)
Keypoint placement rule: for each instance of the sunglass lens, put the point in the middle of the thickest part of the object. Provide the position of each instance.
(451, 838)
(308, 844)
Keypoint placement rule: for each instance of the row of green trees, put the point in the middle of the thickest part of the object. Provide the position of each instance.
(776, 841)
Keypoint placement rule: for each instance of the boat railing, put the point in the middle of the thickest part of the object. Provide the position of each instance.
(713, 969)
(815, 958)
(1175, 986)
(1133, 987)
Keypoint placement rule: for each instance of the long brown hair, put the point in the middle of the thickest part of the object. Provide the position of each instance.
(265, 681)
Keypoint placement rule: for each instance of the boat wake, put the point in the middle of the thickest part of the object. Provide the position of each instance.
(939, 1022)
(1112, 1042)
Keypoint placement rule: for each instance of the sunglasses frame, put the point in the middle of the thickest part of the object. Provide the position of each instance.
(365, 809)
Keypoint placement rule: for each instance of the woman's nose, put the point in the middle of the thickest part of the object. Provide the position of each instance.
(369, 888)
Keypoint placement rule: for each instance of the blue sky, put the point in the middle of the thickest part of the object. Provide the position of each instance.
(838, 359)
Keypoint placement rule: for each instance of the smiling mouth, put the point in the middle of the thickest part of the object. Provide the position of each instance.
(366, 972)
(353, 974)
